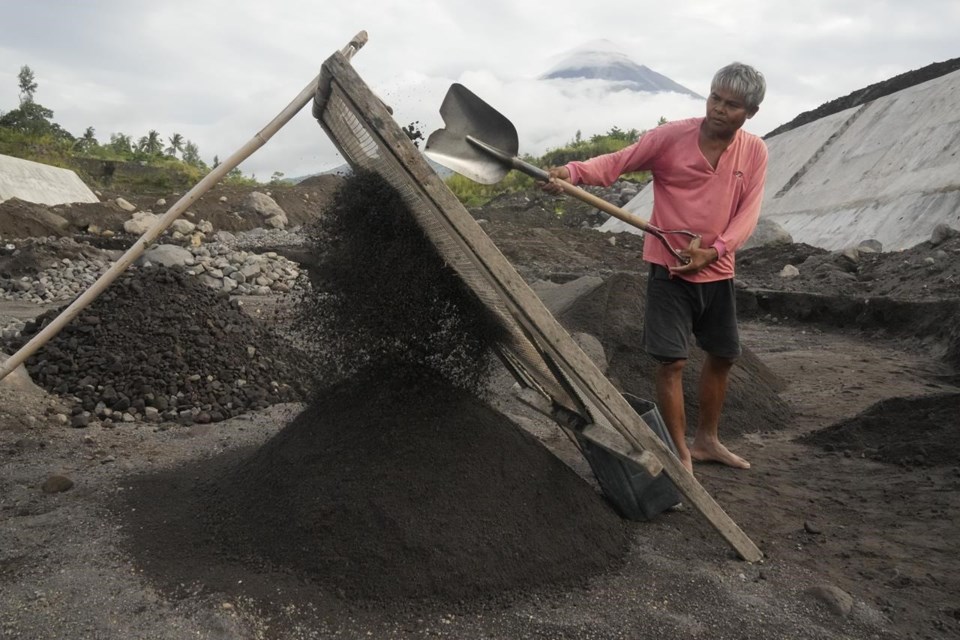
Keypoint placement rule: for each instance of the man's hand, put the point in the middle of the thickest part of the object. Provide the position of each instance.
(699, 258)
(555, 172)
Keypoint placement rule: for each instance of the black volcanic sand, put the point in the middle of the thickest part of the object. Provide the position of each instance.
(614, 311)
(383, 489)
(159, 338)
(381, 292)
(915, 431)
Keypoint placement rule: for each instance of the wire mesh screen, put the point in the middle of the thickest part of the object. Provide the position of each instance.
(365, 143)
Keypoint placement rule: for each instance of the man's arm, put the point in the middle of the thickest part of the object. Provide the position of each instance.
(744, 220)
(606, 169)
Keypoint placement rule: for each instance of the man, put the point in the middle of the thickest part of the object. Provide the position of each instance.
(708, 177)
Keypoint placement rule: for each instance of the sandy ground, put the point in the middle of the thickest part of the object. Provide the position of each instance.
(855, 549)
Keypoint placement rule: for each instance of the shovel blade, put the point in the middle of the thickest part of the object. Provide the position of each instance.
(465, 114)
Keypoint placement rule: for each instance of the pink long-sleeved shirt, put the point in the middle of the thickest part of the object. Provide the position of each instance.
(722, 204)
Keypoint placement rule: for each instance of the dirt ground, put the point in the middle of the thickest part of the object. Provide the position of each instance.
(858, 534)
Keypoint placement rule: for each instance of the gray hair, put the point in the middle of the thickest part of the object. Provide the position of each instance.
(743, 80)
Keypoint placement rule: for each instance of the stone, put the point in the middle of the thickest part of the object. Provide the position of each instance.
(169, 255)
(263, 205)
(838, 601)
(56, 484)
(140, 223)
(870, 246)
(183, 226)
(768, 233)
(80, 420)
(276, 222)
(125, 205)
(851, 253)
(789, 271)
(941, 233)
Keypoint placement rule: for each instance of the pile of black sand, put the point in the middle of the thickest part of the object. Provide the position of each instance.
(391, 487)
(914, 431)
(397, 482)
(613, 313)
(159, 338)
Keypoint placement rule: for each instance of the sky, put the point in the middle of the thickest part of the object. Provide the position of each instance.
(217, 71)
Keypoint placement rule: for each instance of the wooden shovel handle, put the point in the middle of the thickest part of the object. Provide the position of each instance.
(603, 205)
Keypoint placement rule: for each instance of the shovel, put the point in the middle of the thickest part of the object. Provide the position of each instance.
(479, 143)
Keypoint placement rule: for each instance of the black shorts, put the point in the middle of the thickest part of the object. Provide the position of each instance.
(677, 308)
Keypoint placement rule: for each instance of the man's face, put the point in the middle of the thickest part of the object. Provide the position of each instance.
(726, 112)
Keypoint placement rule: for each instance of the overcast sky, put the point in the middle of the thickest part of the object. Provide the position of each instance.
(216, 71)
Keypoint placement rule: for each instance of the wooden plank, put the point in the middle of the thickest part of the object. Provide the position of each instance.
(600, 435)
(549, 336)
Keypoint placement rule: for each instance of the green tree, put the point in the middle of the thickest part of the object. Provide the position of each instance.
(176, 145)
(150, 144)
(276, 178)
(191, 154)
(28, 84)
(121, 144)
(216, 161)
(32, 118)
(88, 142)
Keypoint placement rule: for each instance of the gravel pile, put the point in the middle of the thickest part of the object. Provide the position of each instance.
(32, 271)
(160, 346)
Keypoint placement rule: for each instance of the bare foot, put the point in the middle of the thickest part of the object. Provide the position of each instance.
(716, 452)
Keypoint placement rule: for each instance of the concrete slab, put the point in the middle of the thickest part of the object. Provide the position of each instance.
(888, 170)
(41, 183)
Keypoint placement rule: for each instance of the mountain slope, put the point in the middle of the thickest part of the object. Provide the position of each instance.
(601, 60)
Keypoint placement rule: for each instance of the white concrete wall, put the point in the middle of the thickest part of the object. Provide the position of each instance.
(41, 183)
(888, 170)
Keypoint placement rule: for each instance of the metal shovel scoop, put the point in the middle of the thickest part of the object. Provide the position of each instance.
(479, 143)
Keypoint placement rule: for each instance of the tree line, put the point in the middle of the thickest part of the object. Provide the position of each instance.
(31, 126)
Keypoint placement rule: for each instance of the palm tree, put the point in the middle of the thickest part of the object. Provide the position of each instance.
(150, 144)
(176, 145)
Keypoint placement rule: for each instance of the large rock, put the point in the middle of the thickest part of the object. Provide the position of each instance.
(125, 205)
(768, 233)
(140, 223)
(265, 207)
(169, 255)
(183, 226)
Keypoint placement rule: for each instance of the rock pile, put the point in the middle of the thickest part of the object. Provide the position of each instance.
(160, 346)
(217, 265)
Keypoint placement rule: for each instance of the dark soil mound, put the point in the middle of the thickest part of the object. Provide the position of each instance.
(614, 314)
(376, 497)
(22, 219)
(159, 338)
(926, 271)
(871, 92)
(404, 486)
(920, 431)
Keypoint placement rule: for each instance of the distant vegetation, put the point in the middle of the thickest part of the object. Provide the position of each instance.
(154, 161)
(474, 194)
